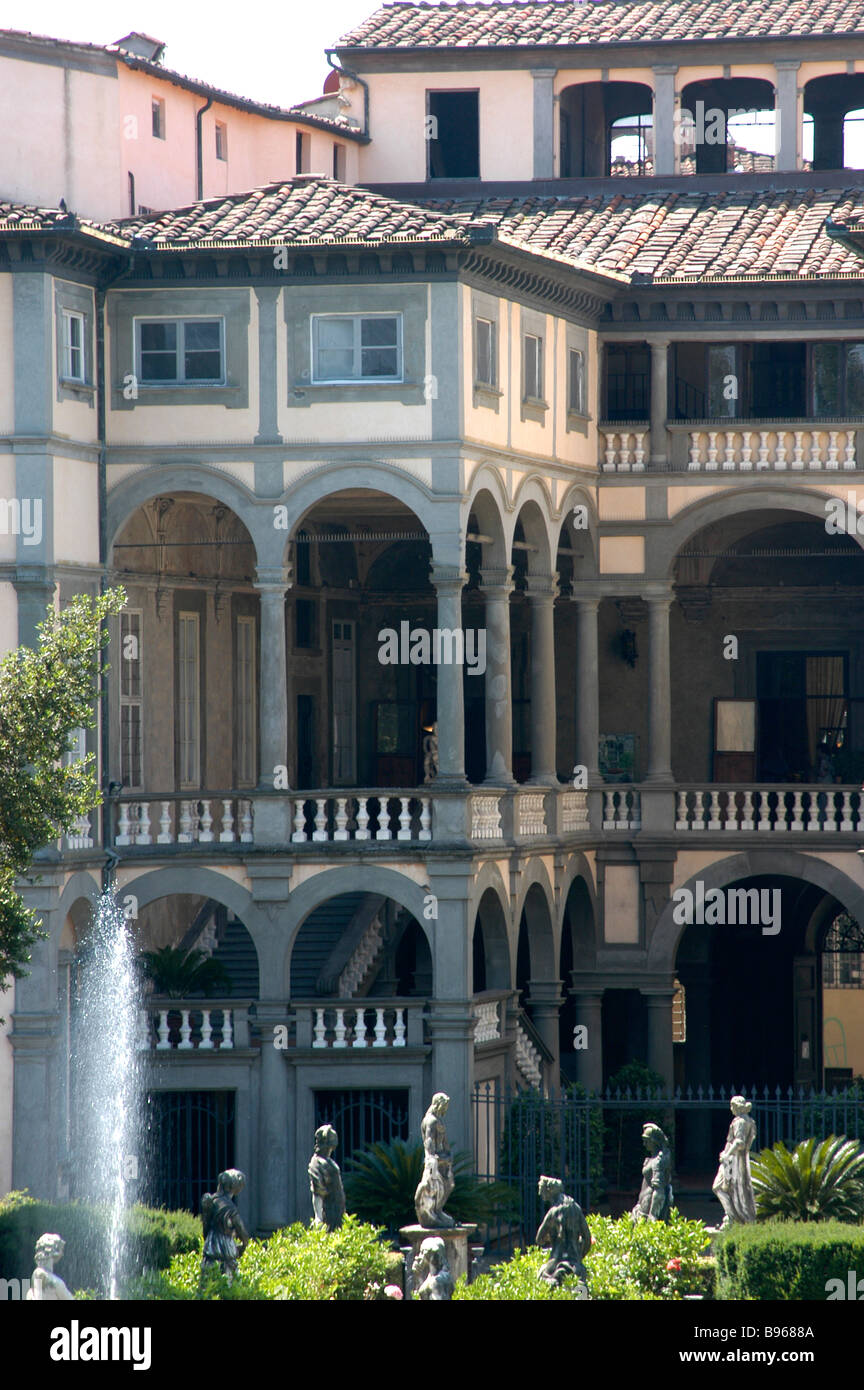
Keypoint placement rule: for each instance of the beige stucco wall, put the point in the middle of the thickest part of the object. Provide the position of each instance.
(7, 493)
(76, 511)
(621, 904)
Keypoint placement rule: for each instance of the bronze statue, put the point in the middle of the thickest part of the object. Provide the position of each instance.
(430, 1274)
(565, 1229)
(325, 1181)
(655, 1197)
(437, 1182)
(225, 1236)
(733, 1185)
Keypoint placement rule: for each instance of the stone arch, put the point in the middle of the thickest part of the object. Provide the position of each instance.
(532, 510)
(78, 889)
(663, 549)
(487, 504)
(572, 537)
(490, 944)
(578, 922)
(133, 493)
(333, 883)
(301, 497)
(536, 935)
(786, 863)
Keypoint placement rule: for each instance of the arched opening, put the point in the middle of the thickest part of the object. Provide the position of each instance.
(727, 124)
(577, 954)
(833, 134)
(357, 946)
(606, 128)
(490, 952)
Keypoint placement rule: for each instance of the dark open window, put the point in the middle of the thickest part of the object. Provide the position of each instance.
(454, 135)
(803, 715)
(628, 382)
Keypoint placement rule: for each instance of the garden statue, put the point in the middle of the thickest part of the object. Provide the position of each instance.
(655, 1198)
(430, 1275)
(564, 1228)
(225, 1236)
(46, 1286)
(325, 1181)
(733, 1185)
(437, 1181)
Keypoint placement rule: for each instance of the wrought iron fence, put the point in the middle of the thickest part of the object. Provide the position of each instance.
(593, 1141)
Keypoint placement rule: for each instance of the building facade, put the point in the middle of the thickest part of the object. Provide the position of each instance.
(488, 698)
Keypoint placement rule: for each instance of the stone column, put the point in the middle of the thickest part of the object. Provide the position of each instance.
(659, 403)
(588, 678)
(659, 1005)
(497, 587)
(665, 150)
(273, 1125)
(659, 772)
(449, 581)
(545, 1000)
(544, 123)
(268, 393)
(788, 134)
(541, 597)
(589, 1060)
(272, 702)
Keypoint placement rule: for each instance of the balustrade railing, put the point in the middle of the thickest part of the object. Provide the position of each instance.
(775, 447)
(823, 809)
(622, 808)
(361, 815)
(184, 820)
(359, 1025)
(623, 449)
(184, 1025)
(488, 1025)
(486, 817)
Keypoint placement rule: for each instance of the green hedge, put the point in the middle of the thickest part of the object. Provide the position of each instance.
(298, 1263)
(154, 1237)
(786, 1260)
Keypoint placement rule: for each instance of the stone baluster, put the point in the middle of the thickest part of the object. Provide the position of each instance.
(205, 834)
(849, 452)
(399, 1028)
(639, 452)
(341, 819)
(164, 1042)
(682, 821)
(362, 832)
(832, 450)
(624, 458)
(797, 822)
(798, 451)
(712, 450)
(339, 1039)
(383, 832)
(814, 815)
(227, 1031)
(747, 811)
(143, 1039)
(142, 834)
(185, 1042)
(226, 835)
(714, 822)
(246, 824)
(320, 1030)
(746, 463)
(780, 452)
(846, 812)
(359, 1028)
(206, 1043)
(815, 459)
(609, 465)
(404, 819)
(165, 837)
(380, 1029)
(425, 818)
(695, 464)
(762, 459)
(124, 825)
(319, 834)
(766, 814)
(729, 449)
(731, 821)
(608, 810)
(299, 835)
(185, 835)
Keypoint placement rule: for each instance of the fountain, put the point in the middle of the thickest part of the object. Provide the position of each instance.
(107, 1073)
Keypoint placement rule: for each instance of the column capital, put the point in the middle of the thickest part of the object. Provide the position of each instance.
(664, 69)
(656, 593)
(787, 64)
(541, 587)
(272, 579)
(657, 342)
(543, 73)
(590, 602)
(497, 581)
(448, 578)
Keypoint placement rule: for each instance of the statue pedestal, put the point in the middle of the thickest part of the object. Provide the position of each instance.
(455, 1240)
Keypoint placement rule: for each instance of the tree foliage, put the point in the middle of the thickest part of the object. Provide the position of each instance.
(181, 974)
(813, 1182)
(46, 693)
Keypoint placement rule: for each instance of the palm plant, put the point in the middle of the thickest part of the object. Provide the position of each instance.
(181, 974)
(813, 1182)
(380, 1183)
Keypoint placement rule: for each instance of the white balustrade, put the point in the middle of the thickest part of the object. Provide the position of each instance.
(528, 1059)
(574, 811)
(486, 818)
(336, 819)
(359, 1028)
(80, 837)
(619, 455)
(194, 821)
(189, 1035)
(621, 809)
(333, 1023)
(531, 815)
(488, 1026)
(815, 447)
(339, 1040)
(764, 810)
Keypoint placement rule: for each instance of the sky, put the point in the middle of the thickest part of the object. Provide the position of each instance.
(269, 51)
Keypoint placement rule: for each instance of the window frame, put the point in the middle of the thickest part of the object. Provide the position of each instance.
(67, 317)
(580, 405)
(357, 319)
(221, 141)
(132, 618)
(533, 398)
(479, 381)
(158, 118)
(184, 382)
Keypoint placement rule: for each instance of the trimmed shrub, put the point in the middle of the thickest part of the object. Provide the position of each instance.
(645, 1261)
(153, 1237)
(380, 1183)
(298, 1263)
(812, 1182)
(786, 1260)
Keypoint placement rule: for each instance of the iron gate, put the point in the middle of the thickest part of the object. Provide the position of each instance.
(362, 1118)
(189, 1141)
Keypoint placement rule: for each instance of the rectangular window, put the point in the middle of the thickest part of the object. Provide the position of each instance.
(246, 706)
(180, 351)
(221, 140)
(73, 346)
(533, 374)
(301, 153)
(131, 708)
(453, 135)
(486, 355)
(576, 381)
(339, 163)
(304, 622)
(723, 377)
(189, 700)
(158, 110)
(357, 347)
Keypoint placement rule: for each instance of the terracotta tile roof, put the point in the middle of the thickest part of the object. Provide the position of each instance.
(561, 23)
(680, 235)
(304, 210)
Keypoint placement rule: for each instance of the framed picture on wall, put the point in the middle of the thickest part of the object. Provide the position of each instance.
(617, 757)
(734, 740)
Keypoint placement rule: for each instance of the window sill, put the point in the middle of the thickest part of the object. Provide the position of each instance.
(231, 397)
(577, 423)
(82, 390)
(534, 409)
(486, 395)
(306, 393)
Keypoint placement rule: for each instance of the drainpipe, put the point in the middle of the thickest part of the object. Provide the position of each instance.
(199, 150)
(347, 72)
